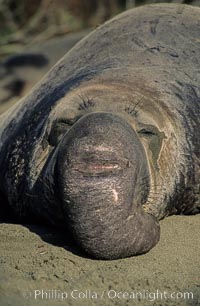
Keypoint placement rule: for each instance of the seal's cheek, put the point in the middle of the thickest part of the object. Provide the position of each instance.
(170, 160)
(153, 141)
(102, 165)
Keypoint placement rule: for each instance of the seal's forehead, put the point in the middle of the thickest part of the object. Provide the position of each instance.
(125, 99)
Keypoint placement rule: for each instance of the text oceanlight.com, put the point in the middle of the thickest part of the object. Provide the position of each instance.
(111, 294)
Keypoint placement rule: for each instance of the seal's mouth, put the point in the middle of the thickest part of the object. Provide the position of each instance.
(100, 164)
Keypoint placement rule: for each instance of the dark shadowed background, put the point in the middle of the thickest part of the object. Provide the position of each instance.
(34, 35)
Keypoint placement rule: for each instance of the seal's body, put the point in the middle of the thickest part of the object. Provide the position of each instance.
(108, 142)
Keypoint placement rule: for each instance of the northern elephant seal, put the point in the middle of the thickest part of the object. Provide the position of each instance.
(108, 142)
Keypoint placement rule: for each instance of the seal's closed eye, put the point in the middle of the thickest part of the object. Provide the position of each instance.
(57, 132)
(147, 132)
(59, 128)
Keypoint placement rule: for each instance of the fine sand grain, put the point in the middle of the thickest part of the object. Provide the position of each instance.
(35, 258)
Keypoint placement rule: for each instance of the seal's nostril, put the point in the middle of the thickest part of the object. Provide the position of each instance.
(97, 168)
(97, 160)
(106, 167)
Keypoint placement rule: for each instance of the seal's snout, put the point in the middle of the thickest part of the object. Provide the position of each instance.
(101, 164)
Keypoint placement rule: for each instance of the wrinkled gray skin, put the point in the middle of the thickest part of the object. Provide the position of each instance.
(108, 142)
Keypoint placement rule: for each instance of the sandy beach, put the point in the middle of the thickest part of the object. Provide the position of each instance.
(38, 267)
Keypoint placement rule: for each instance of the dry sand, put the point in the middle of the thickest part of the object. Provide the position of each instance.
(35, 258)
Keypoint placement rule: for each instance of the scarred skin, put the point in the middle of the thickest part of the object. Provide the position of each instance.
(108, 142)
